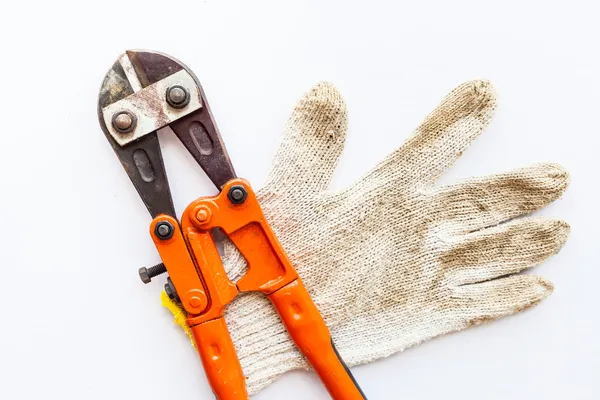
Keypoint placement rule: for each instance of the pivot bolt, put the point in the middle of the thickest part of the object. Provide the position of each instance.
(164, 230)
(124, 121)
(146, 274)
(203, 214)
(195, 301)
(237, 194)
(178, 96)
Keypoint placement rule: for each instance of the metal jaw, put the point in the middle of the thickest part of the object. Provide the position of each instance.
(144, 92)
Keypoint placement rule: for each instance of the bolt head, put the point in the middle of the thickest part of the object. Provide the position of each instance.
(202, 215)
(237, 194)
(178, 96)
(143, 272)
(164, 230)
(124, 121)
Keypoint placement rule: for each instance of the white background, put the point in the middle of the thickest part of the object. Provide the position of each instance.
(76, 321)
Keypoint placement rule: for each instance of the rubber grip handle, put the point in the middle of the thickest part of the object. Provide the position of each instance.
(221, 364)
(308, 330)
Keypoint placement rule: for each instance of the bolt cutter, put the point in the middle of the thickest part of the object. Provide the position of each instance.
(144, 92)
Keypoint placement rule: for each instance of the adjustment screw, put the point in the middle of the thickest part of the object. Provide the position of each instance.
(164, 230)
(178, 96)
(237, 194)
(146, 274)
(170, 290)
(124, 121)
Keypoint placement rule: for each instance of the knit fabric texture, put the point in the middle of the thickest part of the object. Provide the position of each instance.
(394, 260)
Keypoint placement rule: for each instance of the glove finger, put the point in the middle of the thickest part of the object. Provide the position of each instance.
(440, 139)
(487, 301)
(486, 201)
(504, 249)
(312, 142)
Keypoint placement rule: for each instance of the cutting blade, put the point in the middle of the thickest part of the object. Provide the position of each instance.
(143, 93)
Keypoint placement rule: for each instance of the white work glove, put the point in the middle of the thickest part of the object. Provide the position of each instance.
(394, 260)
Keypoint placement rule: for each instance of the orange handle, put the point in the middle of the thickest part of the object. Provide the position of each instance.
(223, 369)
(307, 328)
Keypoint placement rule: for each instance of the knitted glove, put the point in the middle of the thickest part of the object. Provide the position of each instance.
(394, 260)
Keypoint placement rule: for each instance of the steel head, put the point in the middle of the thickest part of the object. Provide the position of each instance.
(144, 92)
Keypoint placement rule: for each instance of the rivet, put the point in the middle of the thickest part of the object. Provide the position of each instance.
(178, 96)
(195, 301)
(124, 121)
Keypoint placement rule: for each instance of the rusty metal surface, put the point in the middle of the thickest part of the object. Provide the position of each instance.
(198, 131)
(125, 85)
(150, 108)
(142, 159)
(200, 136)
